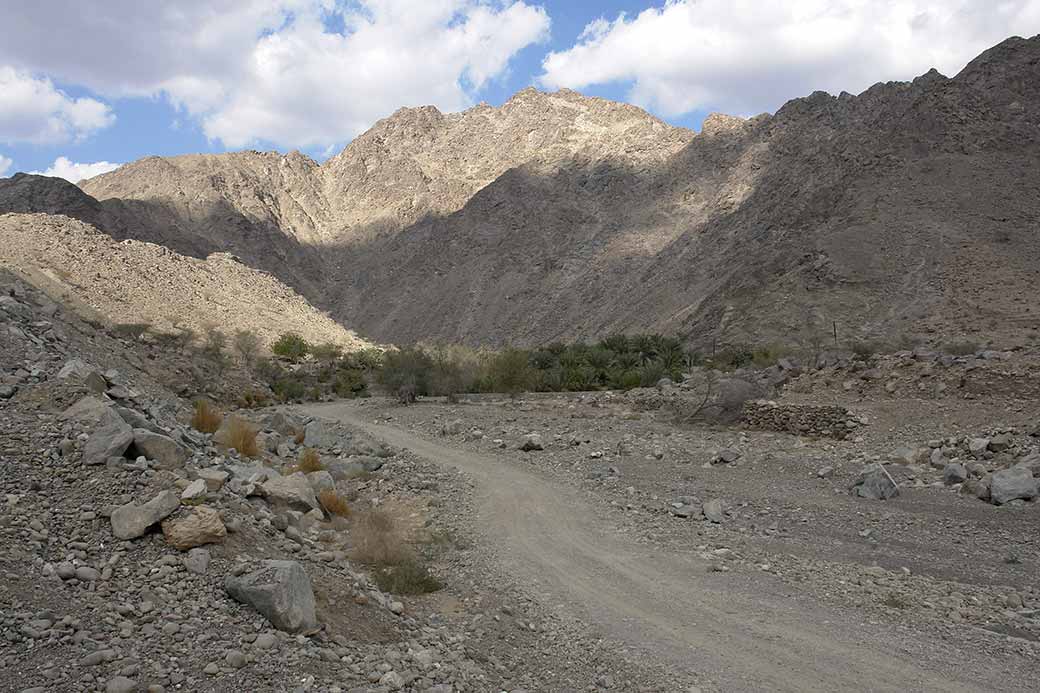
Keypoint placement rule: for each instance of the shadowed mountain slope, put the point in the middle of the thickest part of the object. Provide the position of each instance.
(910, 210)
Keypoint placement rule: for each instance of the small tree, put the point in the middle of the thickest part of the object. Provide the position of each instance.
(214, 345)
(291, 346)
(247, 345)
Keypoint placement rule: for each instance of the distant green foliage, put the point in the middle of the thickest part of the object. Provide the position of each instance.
(291, 346)
(616, 362)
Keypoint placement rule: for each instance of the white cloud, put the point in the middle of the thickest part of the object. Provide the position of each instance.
(33, 111)
(75, 172)
(5, 164)
(251, 70)
(748, 56)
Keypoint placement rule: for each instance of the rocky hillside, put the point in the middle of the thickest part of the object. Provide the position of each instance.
(557, 216)
(127, 282)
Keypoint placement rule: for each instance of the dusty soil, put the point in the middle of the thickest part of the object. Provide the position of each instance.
(801, 587)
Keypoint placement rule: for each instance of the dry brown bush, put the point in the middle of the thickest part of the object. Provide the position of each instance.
(377, 540)
(207, 418)
(333, 503)
(309, 461)
(241, 435)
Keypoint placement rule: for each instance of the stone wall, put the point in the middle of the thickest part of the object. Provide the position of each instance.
(801, 419)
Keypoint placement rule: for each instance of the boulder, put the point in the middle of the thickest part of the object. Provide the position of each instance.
(903, 455)
(283, 423)
(213, 478)
(89, 409)
(138, 420)
(978, 446)
(293, 490)
(201, 526)
(954, 473)
(315, 435)
(165, 450)
(1001, 442)
(1011, 484)
(194, 492)
(321, 480)
(532, 441)
(111, 439)
(131, 520)
(197, 561)
(978, 488)
(354, 467)
(876, 483)
(712, 510)
(281, 592)
(89, 375)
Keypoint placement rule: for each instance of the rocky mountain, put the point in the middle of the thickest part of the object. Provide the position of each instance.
(133, 282)
(907, 212)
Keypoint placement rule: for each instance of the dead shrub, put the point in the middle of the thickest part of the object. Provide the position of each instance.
(333, 503)
(241, 435)
(207, 418)
(309, 461)
(377, 540)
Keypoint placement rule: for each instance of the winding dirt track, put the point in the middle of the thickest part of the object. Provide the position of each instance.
(731, 632)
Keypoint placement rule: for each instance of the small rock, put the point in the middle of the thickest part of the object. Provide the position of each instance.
(532, 441)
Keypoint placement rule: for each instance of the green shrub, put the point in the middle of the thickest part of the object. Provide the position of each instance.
(510, 371)
(291, 346)
(326, 352)
(407, 368)
(288, 389)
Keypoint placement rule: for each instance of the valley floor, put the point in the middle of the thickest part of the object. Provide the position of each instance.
(799, 586)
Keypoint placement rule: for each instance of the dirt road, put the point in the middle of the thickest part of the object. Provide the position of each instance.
(726, 631)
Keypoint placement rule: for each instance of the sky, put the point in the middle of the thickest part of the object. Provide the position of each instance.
(88, 85)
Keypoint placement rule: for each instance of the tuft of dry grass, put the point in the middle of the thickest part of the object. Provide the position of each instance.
(333, 503)
(241, 435)
(309, 461)
(378, 541)
(207, 418)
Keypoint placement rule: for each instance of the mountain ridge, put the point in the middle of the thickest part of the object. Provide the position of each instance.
(560, 216)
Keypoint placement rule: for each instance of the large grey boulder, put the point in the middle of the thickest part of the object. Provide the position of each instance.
(281, 592)
(293, 490)
(111, 439)
(165, 450)
(131, 520)
(1012, 484)
(88, 409)
(876, 483)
